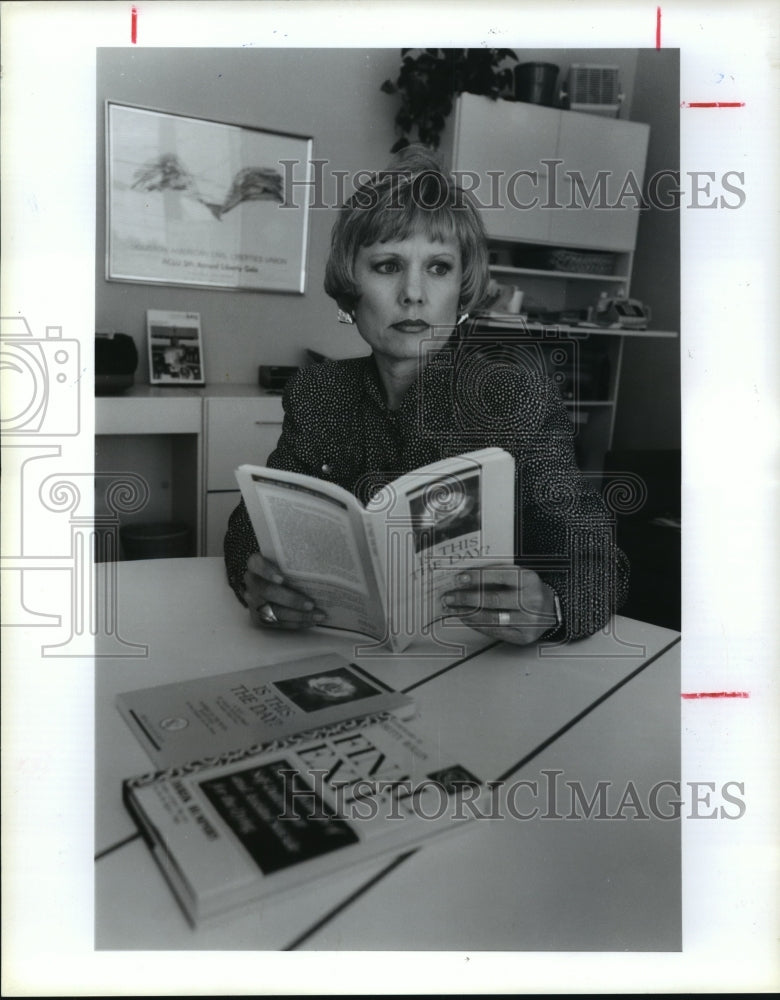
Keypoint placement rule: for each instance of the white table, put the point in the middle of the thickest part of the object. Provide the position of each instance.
(605, 709)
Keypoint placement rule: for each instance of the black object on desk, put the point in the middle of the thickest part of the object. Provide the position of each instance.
(116, 360)
(275, 377)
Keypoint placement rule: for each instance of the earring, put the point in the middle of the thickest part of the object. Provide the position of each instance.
(462, 319)
(345, 317)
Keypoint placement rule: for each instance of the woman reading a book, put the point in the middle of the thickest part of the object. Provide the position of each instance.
(408, 263)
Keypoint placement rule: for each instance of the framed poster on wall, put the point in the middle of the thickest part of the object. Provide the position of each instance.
(196, 202)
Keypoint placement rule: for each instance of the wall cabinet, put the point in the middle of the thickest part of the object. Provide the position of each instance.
(495, 140)
(602, 164)
(546, 176)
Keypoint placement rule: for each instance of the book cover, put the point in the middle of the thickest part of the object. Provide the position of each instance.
(175, 347)
(202, 718)
(251, 825)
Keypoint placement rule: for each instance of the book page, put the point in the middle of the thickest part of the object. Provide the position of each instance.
(314, 532)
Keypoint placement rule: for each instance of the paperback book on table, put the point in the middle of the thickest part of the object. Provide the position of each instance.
(203, 717)
(382, 569)
(230, 828)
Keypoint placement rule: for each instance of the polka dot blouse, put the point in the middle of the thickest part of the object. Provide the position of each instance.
(338, 427)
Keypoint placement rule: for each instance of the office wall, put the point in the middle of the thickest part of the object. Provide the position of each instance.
(332, 95)
(648, 413)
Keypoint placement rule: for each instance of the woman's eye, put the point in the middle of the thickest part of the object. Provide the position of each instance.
(441, 267)
(386, 267)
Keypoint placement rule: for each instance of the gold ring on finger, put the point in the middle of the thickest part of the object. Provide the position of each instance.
(267, 614)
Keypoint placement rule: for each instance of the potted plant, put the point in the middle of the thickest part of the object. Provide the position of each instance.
(429, 79)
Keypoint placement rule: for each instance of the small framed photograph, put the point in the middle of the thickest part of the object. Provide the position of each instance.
(175, 348)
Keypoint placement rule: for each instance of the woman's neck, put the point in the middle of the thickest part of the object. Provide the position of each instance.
(396, 377)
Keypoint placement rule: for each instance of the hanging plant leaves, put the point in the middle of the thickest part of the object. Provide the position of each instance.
(429, 80)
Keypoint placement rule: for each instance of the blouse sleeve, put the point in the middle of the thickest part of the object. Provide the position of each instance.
(565, 530)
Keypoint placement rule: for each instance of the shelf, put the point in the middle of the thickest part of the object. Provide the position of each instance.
(531, 272)
(508, 321)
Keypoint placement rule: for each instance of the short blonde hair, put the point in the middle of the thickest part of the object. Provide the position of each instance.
(411, 195)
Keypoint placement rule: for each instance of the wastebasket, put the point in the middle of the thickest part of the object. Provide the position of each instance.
(162, 540)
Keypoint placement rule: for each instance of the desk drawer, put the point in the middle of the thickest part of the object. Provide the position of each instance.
(239, 430)
(147, 415)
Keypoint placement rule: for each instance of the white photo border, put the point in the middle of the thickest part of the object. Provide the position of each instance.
(731, 492)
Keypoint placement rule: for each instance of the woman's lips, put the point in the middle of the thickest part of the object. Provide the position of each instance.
(410, 326)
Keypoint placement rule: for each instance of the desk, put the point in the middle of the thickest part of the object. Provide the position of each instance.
(605, 709)
(186, 442)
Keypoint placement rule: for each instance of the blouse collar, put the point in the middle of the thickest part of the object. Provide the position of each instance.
(443, 358)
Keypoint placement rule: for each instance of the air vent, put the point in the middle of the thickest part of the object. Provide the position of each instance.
(592, 89)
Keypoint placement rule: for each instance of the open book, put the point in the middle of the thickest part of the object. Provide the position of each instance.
(249, 824)
(382, 569)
